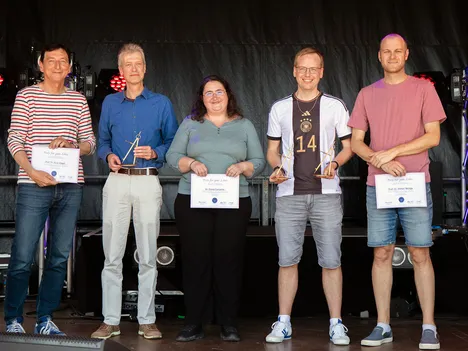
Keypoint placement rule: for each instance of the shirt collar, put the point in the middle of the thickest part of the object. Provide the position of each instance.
(145, 93)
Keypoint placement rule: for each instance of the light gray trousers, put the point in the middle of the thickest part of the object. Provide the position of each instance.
(125, 196)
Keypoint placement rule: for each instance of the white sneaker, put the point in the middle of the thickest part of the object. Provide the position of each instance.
(280, 331)
(338, 334)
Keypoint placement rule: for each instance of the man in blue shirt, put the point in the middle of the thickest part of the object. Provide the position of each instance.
(136, 129)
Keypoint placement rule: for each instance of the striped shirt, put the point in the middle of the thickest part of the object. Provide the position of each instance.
(39, 117)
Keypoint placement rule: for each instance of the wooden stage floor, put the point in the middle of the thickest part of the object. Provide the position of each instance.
(308, 334)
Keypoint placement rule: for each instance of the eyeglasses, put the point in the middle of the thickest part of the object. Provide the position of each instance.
(303, 70)
(210, 93)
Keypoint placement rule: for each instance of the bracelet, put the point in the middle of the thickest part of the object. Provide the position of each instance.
(337, 164)
(190, 164)
(278, 167)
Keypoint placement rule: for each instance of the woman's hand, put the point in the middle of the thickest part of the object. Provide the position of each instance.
(199, 168)
(236, 169)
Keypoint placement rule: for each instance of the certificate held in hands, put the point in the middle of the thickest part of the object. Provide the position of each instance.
(214, 191)
(397, 192)
(60, 163)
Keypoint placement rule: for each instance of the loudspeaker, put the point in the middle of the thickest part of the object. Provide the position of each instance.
(30, 342)
(90, 262)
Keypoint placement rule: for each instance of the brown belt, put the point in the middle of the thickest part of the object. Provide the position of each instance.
(138, 171)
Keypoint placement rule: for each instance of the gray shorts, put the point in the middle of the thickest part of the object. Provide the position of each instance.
(325, 213)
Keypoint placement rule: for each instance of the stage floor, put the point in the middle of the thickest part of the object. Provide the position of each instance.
(308, 334)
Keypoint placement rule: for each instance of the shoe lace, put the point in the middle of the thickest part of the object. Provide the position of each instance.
(104, 327)
(49, 327)
(278, 326)
(15, 327)
(339, 329)
(189, 327)
(149, 326)
(230, 329)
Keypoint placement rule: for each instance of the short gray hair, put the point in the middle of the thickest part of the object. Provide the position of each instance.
(128, 49)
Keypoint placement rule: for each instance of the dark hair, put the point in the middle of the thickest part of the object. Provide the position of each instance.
(199, 109)
(53, 47)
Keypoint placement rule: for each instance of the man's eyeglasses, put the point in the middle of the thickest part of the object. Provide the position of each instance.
(303, 70)
(210, 93)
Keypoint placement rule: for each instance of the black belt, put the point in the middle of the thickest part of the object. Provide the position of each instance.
(138, 171)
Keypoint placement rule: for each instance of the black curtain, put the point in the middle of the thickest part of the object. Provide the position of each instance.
(252, 44)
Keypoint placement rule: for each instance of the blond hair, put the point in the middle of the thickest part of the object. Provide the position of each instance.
(129, 49)
(307, 51)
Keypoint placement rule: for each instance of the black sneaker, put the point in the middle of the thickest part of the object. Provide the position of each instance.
(190, 332)
(229, 333)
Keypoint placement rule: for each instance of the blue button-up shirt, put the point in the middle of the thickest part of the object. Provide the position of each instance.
(122, 119)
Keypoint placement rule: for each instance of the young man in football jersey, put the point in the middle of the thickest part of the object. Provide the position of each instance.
(307, 125)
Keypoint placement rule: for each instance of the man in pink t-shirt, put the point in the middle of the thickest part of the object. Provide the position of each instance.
(403, 115)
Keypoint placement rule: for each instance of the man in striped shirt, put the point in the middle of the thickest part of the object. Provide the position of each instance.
(45, 114)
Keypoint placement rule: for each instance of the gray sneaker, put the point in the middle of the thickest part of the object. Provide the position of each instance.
(377, 337)
(429, 340)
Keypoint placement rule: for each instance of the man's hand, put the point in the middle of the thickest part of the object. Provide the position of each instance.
(235, 169)
(199, 168)
(114, 162)
(394, 168)
(330, 170)
(278, 176)
(42, 178)
(379, 158)
(60, 142)
(145, 152)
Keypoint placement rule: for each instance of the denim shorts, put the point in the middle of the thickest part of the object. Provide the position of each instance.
(325, 213)
(382, 224)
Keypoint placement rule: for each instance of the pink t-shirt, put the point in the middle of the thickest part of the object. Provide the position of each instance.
(396, 114)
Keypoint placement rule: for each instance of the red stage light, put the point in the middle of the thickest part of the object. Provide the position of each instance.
(117, 82)
(425, 77)
(1, 79)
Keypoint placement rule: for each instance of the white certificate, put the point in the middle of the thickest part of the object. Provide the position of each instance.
(60, 163)
(406, 191)
(214, 191)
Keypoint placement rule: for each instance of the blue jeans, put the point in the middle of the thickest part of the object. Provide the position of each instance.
(382, 224)
(61, 203)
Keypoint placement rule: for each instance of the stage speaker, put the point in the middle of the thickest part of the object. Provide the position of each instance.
(401, 258)
(90, 262)
(30, 342)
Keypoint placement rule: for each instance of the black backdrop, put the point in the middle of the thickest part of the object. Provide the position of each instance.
(252, 44)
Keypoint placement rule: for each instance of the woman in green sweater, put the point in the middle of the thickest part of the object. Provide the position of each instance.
(213, 139)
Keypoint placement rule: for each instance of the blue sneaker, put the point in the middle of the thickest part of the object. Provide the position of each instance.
(45, 326)
(429, 340)
(377, 337)
(280, 331)
(14, 326)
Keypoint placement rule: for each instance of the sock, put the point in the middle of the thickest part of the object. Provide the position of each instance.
(334, 321)
(284, 318)
(386, 327)
(430, 327)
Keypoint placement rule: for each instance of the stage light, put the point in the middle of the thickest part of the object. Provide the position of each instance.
(458, 83)
(7, 89)
(108, 82)
(117, 82)
(438, 80)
